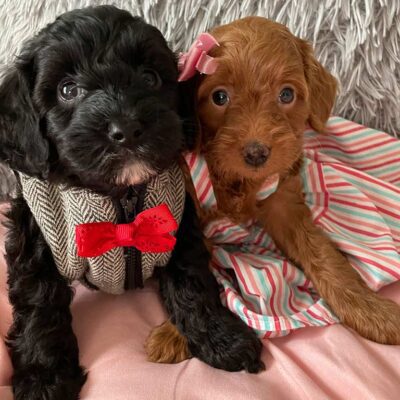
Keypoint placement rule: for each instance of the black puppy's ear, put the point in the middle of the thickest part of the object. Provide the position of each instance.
(188, 112)
(22, 145)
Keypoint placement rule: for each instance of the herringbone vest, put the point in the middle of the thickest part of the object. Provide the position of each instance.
(58, 210)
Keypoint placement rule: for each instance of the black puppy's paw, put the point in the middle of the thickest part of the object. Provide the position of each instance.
(228, 343)
(38, 383)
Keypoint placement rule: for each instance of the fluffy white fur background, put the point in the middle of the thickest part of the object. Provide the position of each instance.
(357, 40)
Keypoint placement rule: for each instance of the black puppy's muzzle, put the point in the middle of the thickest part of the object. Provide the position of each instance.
(122, 132)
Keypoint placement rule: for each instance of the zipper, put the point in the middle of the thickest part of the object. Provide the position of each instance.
(128, 203)
(127, 209)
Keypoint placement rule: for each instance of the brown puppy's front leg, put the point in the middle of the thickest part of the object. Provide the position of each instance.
(288, 221)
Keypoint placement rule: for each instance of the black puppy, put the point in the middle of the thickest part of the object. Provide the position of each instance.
(91, 103)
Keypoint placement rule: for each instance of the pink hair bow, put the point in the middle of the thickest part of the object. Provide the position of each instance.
(197, 59)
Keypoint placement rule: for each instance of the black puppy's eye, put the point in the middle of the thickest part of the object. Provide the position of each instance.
(220, 97)
(151, 78)
(286, 96)
(69, 91)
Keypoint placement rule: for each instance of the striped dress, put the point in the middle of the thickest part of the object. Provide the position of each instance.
(352, 186)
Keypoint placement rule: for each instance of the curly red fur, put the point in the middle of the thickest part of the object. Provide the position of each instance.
(256, 59)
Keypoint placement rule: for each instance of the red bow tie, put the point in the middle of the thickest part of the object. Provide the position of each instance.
(149, 232)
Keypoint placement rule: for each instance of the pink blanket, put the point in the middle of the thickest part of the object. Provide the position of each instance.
(313, 363)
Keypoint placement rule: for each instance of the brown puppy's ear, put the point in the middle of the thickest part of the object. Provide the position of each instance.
(322, 86)
(22, 145)
(188, 113)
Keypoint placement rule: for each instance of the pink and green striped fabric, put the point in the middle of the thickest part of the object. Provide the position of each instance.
(352, 186)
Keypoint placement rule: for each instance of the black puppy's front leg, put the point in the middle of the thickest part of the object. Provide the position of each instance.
(44, 349)
(191, 296)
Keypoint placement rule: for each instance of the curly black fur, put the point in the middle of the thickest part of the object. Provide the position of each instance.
(191, 296)
(108, 54)
(44, 348)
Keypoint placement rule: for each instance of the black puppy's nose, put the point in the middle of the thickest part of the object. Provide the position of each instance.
(255, 154)
(120, 132)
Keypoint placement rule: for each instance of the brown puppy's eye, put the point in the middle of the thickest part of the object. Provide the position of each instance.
(286, 96)
(69, 91)
(151, 78)
(220, 97)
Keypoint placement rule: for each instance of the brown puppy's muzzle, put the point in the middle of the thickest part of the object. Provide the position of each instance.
(255, 154)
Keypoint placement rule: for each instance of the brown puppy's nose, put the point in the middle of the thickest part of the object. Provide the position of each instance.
(255, 154)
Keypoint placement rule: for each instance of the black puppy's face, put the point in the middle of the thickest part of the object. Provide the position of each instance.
(92, 101)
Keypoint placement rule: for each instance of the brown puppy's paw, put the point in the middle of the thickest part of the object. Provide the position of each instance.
(376, 319)
(166, 344)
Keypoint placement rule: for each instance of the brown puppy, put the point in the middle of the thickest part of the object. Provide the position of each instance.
(252, 112)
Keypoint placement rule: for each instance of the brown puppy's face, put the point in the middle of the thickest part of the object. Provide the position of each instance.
(254, 108)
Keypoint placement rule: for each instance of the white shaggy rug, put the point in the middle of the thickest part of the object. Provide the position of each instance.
(357, 40)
